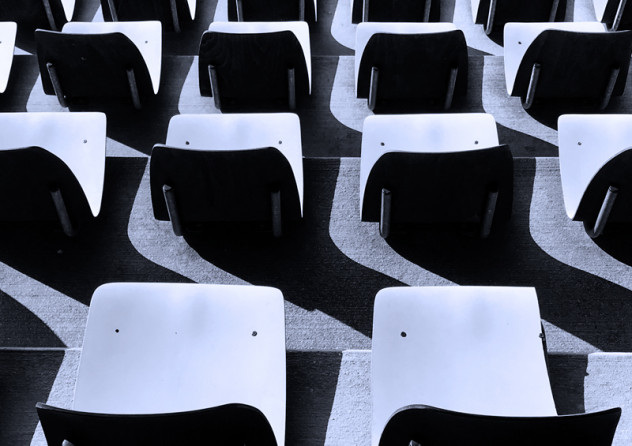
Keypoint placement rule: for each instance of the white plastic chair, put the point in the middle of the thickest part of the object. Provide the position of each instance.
(59, 148)
(595, 159)
(433, 168)
(252, 62)
(265, 148)
(134, 10)
(97, 59)
(160, 348)
(565, 61)
(8, 33)
(404, 63)
(471, 350)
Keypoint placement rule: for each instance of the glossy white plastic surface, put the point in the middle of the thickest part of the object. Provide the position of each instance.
(77, 138)
(8, 32)
(600, 8)
(146, 35)
(192, 6)
(429, 133)
(519, 36)
(69, 8)
(586, 144)
(366, 30)
(236, 131)
(468, 349)
(300, 30)
(160, 347)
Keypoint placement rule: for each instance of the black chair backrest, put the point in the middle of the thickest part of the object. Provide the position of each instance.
(396, 10)
(223, 185)
(138, 10)
(91, 65)
(441, 187)
(430, 426)
(575, 64)
(27, 176)
(30, 14)
(253, 68)
(611, 11)
(228, 425)
(413, 68)
(271, 10)
(519, 11)
(615, 172)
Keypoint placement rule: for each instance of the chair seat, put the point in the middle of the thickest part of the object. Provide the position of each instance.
(8, 32)
(477, 350)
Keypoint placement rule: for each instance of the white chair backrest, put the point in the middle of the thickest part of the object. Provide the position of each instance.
(299, 29)
(146, 36)
(155, 348)
(467, 349)
(366, 30)
(8, 33)
(423, 133)
(586, 144)
(519, 36)
(69, 8)
(77, 138)
(240, 132)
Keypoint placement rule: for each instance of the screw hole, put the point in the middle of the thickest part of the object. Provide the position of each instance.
(117, 330)
(187, 143)
(381, 143)
(280, 142)
(579, 143)
(254, 333)
(403, 334)
(475, 142)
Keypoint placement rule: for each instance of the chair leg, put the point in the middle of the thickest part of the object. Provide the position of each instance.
(609, 88)
(454, 72)
(62, 212)
(604, 213)
(291, 85)
(133, 88)
(301, 10)
(618, 15)
(276, 213)
(49, 15)
(172, 209)
(365, 10)
(113, 13)
(533, 83)
(554, 7)
(52, 73)
(385, 213)
(212, 75)
(489, 26)
(174, 15)
(427, 7)
(488, 213)
(239, 7)
(375, 72)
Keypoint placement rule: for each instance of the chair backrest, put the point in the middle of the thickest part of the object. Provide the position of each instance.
(31, 14)
(414, 62)
(517, 11)
(595, 153)
(161, 10)
(431, 426)
(272, 10)
(92, 59)
(396, 10)
(159, 347)
(573, 64)
(606, 12)
(438, 168)
(8, 32)
(468, 349)
(230, 424)
(44, 151)
(223, 185)
(252, 61)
